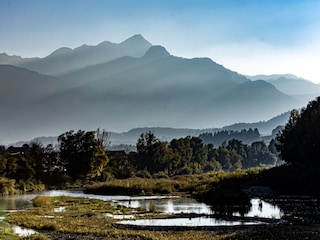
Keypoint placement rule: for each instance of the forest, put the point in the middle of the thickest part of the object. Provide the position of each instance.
(82, 157)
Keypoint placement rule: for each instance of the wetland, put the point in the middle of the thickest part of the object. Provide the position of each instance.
(76, 215)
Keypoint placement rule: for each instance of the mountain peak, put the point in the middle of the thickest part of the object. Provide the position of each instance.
(156, 52)
(136, 40)
(60, 51)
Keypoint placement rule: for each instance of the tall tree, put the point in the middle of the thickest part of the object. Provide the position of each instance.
(82, 154)
(299, 142)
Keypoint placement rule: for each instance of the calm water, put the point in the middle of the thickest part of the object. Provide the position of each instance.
(165, 204)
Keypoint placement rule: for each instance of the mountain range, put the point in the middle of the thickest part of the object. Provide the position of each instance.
(133, 84)
(128, 139)
(290, 84)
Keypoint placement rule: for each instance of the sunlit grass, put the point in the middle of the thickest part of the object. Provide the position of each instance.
(85, 216)
(6, 231)
(191, 184)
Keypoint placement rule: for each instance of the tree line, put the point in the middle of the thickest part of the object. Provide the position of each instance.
(190, 155)
(82, 155)
(222, 137)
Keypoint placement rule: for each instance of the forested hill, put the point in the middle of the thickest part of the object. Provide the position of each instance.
(266, 132)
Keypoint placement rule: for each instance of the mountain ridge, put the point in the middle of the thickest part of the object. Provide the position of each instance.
(131, 136)
(123, 92)
(65, 59)
(290, 84)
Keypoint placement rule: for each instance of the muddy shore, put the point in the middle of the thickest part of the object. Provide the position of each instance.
(270, 232)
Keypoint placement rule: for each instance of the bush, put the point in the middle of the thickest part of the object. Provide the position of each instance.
(143, 174)
(41, 201)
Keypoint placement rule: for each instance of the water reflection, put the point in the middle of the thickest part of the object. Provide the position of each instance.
(255, 208)
(23, 232)
(262, 209)
(16, 202)
(232, 215)
(170, 205)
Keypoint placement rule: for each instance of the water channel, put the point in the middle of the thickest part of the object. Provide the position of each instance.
(192, 213)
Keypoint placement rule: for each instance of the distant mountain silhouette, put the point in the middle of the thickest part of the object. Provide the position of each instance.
(128, 85)
(6, 59)
(61, 51)
(156, 52)
(130, 137)
(290, 84)
(265, 127)
(67, 59)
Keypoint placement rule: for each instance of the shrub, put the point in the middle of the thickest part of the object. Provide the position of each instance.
(152, 207)
(41, 201)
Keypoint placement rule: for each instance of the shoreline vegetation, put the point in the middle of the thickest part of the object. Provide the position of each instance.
(191, 185)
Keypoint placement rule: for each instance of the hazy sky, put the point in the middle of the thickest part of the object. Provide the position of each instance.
(247, 36)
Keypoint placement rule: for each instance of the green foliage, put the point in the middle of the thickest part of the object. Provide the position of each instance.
(299, 142)
(82, 158)
(97, 163)
(221, 137)
(122, 165)
(83, 154)
(190, 155)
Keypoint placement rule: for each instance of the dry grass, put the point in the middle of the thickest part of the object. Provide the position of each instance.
(84, 219)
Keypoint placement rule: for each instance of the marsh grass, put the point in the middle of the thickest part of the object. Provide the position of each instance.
(84, 217)
(7, 186)
(180, 185)
(6, 231)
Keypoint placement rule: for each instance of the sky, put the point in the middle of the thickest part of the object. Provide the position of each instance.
(247, 36)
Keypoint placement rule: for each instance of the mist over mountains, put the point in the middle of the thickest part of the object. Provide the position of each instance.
(132, 84)
(290, 84)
